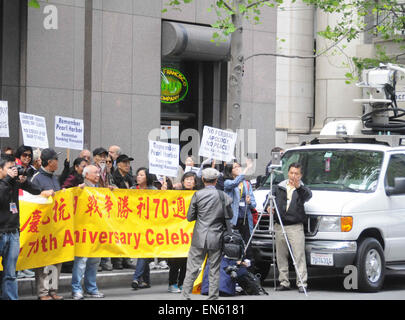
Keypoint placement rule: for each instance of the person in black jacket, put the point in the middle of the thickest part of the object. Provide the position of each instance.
(10, 183)
(123, 180)
(290, 197)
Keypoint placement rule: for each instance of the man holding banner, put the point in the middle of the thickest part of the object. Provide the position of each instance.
(87, 267)
(207, 210)
(46, 179)
(10, 183)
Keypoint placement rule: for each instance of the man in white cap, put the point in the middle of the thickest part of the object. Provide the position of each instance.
(207, 210)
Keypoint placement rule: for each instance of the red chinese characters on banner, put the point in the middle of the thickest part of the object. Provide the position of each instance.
(33, 222)
(108, 205)
(59, 212)
(143, 206)
(123, 209)
(92, 206)
(181, 208)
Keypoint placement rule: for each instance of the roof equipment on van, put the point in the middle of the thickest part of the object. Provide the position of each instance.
(381, 109)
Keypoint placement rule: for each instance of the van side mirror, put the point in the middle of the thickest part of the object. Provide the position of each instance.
(399, 187)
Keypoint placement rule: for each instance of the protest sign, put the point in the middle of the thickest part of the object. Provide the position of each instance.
(69, 133)
(217, 144)
(163, 158)
(98, 222)
(34, 130)
(4, 131)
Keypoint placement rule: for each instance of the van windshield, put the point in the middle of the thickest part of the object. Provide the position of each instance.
(333, 169)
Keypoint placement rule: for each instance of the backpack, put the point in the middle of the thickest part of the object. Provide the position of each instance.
(233, 245)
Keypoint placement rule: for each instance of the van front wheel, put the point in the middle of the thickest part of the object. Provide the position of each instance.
(370, 265)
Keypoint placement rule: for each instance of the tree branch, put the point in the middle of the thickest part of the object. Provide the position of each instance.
(227, 5)
(298, 56)
(256, 3)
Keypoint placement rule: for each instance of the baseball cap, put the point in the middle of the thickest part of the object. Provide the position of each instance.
(99, 151)
(123, 158)
(210, 174)
(49, 154)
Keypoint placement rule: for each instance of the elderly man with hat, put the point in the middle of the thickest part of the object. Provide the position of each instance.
(45, 179)
(122, 177)
(207, 210)
(123, 180)
(100, 157)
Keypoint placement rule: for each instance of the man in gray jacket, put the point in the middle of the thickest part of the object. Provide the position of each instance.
(207, 210)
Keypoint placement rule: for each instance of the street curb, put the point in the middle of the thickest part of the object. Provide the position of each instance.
(105, 279)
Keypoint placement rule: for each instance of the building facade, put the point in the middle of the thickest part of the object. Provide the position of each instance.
(102, 61)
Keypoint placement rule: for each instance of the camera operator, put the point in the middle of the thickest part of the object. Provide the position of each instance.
(290, 196)
(11, 181)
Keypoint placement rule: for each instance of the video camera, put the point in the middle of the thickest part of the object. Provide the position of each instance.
(231, 271)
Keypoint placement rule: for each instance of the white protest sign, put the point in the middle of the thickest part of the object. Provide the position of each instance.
(34, 130)
(217, 144)
(69, 133)
(4, 132)
(163, 158)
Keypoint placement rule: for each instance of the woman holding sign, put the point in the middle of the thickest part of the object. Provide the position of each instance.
(243, 200)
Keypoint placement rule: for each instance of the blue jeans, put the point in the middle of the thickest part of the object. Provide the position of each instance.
(86, 267)
(142, 270)
(9, 251)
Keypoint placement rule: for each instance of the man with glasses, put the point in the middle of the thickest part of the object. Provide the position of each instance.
(45, 179)
(87, 267)
(114, 152)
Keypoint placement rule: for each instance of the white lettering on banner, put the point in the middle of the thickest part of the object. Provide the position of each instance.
(163, 158)
(69, 133)
(217, 144)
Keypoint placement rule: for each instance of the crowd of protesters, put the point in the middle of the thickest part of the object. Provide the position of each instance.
(112, 169)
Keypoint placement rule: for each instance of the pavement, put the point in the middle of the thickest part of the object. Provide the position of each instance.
(105, 279)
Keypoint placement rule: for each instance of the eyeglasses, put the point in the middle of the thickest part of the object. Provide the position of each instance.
(28, 155)
(109, 161)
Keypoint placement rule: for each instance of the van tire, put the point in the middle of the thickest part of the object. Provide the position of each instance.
(370, 263)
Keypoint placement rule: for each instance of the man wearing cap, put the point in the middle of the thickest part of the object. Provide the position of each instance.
(100, 158)
(123, 180)
(121, 177)
(206, 209)
(45, 179)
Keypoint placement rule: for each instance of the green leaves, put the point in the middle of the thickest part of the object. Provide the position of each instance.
(34, 4)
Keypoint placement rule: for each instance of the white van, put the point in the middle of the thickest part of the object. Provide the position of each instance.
(356, 215)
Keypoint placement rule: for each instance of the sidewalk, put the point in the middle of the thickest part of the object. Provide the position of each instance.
(105, 279)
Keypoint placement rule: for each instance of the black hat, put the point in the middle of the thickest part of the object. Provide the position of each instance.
(99, 151)
(49, 154)
(122, 158)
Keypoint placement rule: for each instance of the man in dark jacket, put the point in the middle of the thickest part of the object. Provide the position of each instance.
(10, 183)
(45, 179)
(290, 197)
(123, 180)
(207, 210)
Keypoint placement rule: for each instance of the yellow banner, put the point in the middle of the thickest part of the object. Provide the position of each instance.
(97, 222)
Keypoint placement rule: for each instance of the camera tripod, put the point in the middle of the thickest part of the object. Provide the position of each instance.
(273, 207)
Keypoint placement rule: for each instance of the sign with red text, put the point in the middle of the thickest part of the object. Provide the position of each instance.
(98, 222)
